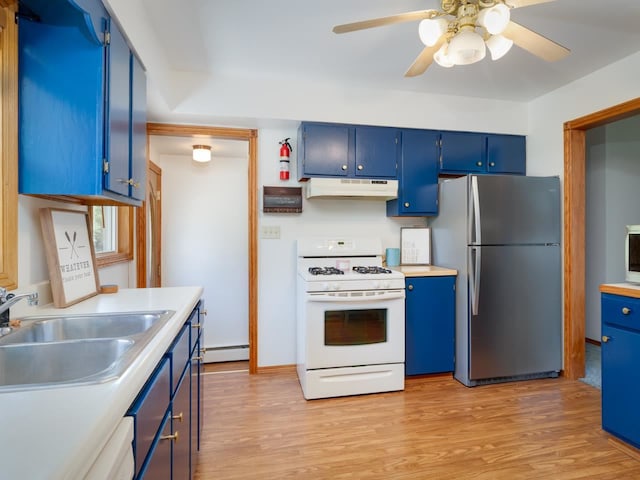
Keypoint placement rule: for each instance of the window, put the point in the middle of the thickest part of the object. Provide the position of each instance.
(112, 230)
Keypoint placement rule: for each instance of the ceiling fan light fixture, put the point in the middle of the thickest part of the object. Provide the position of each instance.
(202, 153)
(498, 46)
(466, 47)
(442, 58)
(430, 30)
(495, 19)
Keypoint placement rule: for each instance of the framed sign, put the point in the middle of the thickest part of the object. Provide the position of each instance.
(70, 255)
(415, 246)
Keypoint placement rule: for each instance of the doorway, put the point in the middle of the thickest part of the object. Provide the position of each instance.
(574, 229)
(148, 229)
(250, 136)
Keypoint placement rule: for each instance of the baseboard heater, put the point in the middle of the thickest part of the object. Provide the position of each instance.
(226, 353)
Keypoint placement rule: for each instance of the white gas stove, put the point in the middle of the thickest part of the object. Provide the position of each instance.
(350, 318)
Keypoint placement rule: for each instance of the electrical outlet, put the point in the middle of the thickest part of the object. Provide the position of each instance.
(270, 231)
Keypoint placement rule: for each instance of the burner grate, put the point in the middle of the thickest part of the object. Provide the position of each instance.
(359, 269)
(325, 271)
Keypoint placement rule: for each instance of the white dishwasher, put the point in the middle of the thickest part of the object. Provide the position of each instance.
(115, 461)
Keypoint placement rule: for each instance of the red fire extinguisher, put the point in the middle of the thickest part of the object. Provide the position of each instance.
(285, 153)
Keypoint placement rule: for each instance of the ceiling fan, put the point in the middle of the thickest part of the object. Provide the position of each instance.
(461, 31)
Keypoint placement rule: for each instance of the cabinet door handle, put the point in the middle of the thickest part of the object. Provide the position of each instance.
(360, 167)
(626, 311)
(173, 437)
(409, 287)
(177, 417)
(406, 204)
(479, 164)
(199, 359)
(344, 167)
(134, 184)
(605, 339)
(196, 325)
(492, 164)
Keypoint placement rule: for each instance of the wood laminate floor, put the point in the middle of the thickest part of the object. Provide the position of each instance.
(260, 427)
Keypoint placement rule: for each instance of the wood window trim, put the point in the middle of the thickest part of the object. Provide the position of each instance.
(574, 230)
(9, 150)
(125, 240)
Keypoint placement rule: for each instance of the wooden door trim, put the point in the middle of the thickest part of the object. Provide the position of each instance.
(574, 230)
(251, 136)
(141, 232)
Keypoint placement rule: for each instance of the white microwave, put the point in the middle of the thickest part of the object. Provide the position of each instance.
(632, 254)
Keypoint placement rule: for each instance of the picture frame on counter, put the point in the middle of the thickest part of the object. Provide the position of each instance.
(415, 246)
(70, 255)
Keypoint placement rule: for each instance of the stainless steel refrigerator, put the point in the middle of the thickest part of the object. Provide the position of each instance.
(502, 234)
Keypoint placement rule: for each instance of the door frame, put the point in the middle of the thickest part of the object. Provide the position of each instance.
(574, 229)
(251, 136)
(141, 231)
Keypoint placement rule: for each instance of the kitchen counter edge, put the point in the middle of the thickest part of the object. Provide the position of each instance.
(624, 289)
(425, 271)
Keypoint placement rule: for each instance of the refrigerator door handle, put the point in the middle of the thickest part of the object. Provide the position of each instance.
(474, 277)
(474, 227)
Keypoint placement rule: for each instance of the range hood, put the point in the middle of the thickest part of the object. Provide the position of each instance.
(378, 189)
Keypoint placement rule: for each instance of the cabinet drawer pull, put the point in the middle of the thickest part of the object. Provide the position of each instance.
(406, 204)
(626, 311)
(360, 167)
(409, 287)
(203, 312)
(492, 164)
(344, 167)
(178, 417)
(196, 325)
(479, 164)
(173, 437)
(199, 358)
(605, 339)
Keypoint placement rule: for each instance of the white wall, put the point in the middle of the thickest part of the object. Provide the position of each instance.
(205, 239)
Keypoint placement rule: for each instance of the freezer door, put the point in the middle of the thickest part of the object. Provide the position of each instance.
(512, 210)
(515, 312)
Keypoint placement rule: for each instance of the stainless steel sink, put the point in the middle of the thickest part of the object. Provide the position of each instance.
(76, 327)
(49, 364)
(57, 351)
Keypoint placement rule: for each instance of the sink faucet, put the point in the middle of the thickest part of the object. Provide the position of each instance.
(7, 300)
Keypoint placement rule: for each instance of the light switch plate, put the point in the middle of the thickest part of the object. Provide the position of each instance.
(270, 232)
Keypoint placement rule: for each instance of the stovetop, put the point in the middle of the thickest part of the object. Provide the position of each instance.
(374, 270)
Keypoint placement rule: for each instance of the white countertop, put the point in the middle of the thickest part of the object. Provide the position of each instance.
(425, 271)
(57, 433)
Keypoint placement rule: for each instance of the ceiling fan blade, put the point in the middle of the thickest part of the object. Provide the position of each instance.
(535, 43)
(424, 59)
(379, 22)
(525, 3)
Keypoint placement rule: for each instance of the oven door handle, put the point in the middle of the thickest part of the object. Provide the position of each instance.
(326, 297)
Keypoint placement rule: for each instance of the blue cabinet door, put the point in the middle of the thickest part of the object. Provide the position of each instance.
(417, 175)
(429, 332)
(325, 150)
(463, 152)
(506, 154)
(118, 121)
(621, 383)
(376, 152)
(138, 129)
(181, 426)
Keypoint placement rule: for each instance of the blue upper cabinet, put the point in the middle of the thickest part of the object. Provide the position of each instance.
(506, 154)
(417, 175)
(79, 121)
(336, 150)
(376, 152)
(467, 152)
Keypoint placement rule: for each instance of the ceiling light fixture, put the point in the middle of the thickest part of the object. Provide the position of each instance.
(202, 153)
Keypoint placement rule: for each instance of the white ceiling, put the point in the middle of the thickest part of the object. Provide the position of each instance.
(293, 38)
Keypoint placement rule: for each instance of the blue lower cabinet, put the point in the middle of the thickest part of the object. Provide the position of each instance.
(429, 329)
(620, 373)
(165, 432)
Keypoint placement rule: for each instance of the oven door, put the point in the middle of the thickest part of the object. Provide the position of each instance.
(345, 329)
